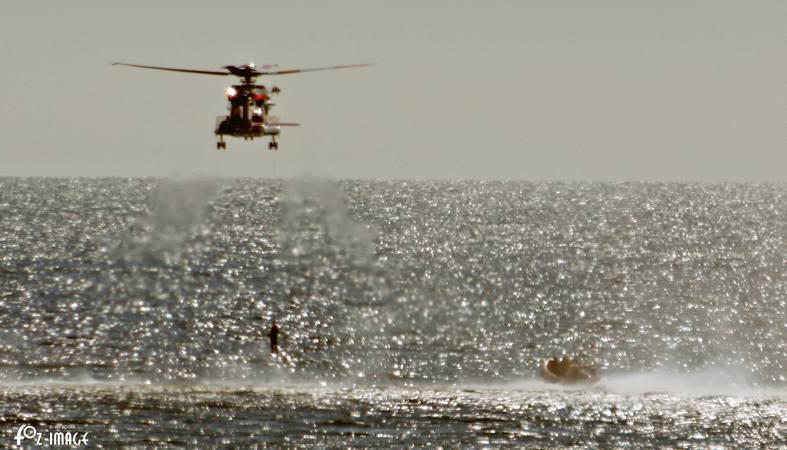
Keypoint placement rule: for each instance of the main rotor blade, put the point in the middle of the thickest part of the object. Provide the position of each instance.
(314, 69)
(173, 69)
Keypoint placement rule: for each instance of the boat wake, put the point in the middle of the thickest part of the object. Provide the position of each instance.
(703, 382)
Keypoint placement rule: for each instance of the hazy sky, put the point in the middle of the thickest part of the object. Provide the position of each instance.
(548, 90)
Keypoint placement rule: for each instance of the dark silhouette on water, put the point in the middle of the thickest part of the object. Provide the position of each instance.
(274, 335)
(553, 365)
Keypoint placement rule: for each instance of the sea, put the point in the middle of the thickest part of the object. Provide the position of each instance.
(135, 313)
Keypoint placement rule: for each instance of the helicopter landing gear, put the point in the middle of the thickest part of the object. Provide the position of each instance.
(221, 144)
(273, 145)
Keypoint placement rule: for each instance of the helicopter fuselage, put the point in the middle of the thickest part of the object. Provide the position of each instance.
(249, 118)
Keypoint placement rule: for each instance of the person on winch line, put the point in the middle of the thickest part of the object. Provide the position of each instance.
(274, 335)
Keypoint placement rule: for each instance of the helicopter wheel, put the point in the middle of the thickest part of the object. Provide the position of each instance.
(273, 145)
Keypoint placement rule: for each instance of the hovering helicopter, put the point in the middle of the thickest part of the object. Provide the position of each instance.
(250, 103)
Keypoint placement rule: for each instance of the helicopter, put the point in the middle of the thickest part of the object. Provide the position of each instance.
(249, 103)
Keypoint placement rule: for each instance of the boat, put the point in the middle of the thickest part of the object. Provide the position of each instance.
(568, 371)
